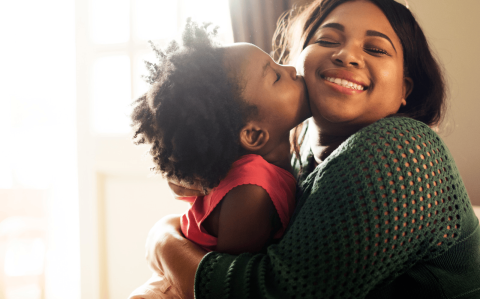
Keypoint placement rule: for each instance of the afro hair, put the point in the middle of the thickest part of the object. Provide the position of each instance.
(194, 111)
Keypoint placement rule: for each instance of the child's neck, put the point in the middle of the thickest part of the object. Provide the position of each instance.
(277, 152)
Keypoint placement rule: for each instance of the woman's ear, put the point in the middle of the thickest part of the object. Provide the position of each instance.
(253, 137)
(407, 89)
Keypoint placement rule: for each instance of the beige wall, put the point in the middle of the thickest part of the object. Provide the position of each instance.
(452, 28)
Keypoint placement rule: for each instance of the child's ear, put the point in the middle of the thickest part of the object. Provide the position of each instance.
(253, 137)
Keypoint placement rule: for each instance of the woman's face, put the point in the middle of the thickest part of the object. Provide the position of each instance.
(353, 69)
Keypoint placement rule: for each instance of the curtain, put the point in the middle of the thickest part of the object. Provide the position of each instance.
(254, 21)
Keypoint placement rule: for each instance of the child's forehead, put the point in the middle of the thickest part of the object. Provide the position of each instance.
(245, 57)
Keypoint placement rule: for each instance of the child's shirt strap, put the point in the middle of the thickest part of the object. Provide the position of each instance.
(249, 169)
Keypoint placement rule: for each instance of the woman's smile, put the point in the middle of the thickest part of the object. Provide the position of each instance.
(344, 81)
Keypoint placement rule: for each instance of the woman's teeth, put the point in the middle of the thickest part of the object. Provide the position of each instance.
(344, 83)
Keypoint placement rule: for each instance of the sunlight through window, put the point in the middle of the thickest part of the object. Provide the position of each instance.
(38, 161)
(122, 28)
(155, 19)
(215, 11)
(24, 257)
(110, 21)
(111, 94)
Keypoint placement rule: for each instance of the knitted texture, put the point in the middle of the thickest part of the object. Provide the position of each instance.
(389, 203)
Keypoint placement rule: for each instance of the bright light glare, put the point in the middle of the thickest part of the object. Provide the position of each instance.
(6, 167)
(155, 19)
(24, 257)
(215, 11)
(38, 144)
(31, 291)
(111, 95)
(110, 21)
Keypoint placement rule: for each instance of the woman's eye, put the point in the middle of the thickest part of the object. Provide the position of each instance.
(326, 43)
(376, 51)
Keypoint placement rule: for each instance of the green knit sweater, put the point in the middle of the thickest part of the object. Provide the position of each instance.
(386, 215)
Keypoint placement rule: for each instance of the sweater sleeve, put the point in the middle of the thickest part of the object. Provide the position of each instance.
(388, 198)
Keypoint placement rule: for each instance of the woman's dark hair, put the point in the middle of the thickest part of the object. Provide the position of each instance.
(427, 100)
(193, 113)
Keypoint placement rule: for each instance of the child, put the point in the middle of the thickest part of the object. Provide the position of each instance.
(220, 116)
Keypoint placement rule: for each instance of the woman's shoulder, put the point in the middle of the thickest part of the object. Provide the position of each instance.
(396, 176)
(391, 133)
(404, 162)
(393, 136)
(395, 127)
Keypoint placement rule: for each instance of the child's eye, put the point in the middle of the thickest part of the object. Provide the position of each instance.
(278, 77)
(375, 51)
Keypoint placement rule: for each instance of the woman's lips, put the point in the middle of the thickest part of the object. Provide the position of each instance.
(344, 83)
(342, 89)
(343, 79)
(345, 75)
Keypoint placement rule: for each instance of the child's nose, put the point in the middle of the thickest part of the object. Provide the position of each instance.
(292, 71)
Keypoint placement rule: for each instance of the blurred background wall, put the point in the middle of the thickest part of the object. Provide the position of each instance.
(452, 30)
(76, 196)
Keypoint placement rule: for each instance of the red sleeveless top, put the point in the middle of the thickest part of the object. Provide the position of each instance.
(249, 169)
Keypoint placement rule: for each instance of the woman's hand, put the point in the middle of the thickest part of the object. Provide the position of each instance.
(180, 189)
(171, 255)
(168, 225)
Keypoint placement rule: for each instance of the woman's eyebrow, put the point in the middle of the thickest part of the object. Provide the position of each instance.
(379, 34)
(333, 25)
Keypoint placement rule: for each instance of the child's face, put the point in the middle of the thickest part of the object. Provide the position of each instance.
(279, 94)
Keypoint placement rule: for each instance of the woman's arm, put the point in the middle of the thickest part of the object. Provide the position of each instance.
(243, 223)
(170, 254)
(386, 200)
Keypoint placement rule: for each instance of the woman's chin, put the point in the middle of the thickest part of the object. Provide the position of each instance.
(334, 117)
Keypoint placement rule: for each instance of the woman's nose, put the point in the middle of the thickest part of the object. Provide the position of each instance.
(348, 56)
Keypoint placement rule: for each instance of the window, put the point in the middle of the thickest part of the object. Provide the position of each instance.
(115, 183)
(39, 241)
(117, 39)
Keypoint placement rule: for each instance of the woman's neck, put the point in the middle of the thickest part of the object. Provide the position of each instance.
(323, 143)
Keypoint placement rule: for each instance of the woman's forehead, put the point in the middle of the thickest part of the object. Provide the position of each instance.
(358, 13)
(361, 17)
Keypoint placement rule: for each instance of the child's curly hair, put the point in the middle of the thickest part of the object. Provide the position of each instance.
(194, 111)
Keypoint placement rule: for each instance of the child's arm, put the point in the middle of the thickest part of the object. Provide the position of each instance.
(243, 220)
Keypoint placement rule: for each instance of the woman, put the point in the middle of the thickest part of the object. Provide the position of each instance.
(383, 211)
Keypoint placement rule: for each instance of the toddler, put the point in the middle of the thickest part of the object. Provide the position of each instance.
(220, 117)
